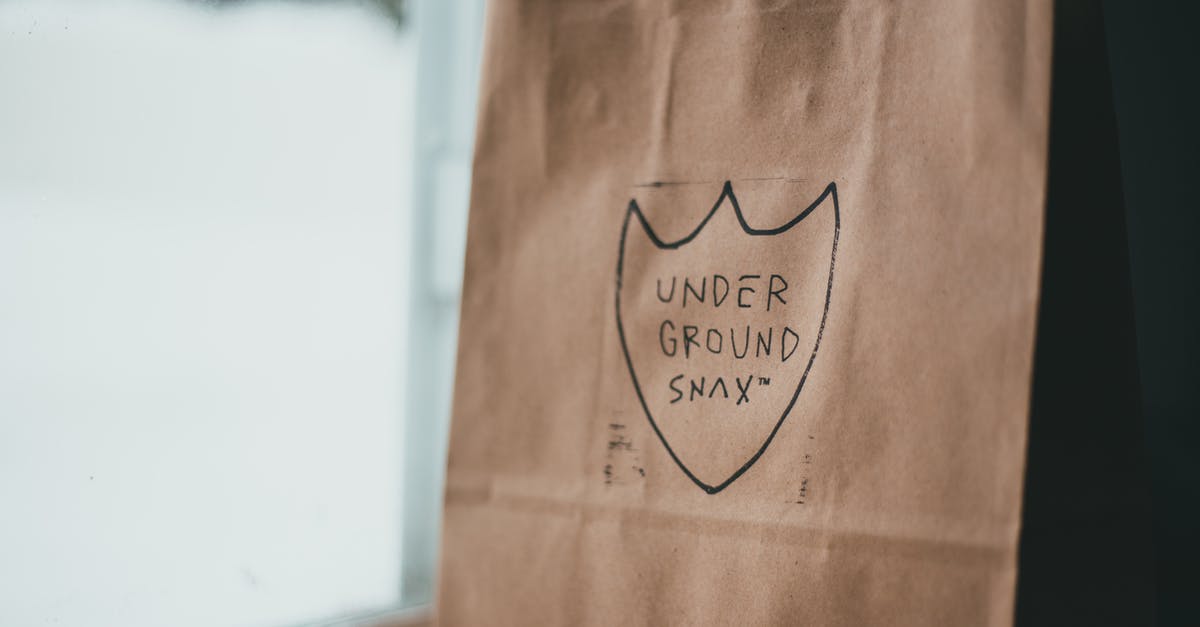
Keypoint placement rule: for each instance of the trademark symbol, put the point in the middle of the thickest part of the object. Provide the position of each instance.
(764, 381)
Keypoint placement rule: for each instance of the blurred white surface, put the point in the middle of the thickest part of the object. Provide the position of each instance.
(204, 218)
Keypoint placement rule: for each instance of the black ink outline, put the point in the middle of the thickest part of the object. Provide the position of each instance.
(726, 193)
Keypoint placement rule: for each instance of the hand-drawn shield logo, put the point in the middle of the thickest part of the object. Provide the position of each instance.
(720, 328)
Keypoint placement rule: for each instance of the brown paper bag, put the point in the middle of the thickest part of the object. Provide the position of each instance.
(748, 313)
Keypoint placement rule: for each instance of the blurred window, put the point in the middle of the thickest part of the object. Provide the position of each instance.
(230, 254)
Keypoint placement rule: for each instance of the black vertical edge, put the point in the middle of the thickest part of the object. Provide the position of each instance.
(1086, 550)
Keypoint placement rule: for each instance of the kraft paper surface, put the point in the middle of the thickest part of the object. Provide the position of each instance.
(748, 314)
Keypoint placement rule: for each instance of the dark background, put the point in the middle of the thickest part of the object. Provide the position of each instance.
(1154, 58)
(1112, 496)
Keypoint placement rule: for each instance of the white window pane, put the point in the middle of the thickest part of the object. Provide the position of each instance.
(203, 310)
